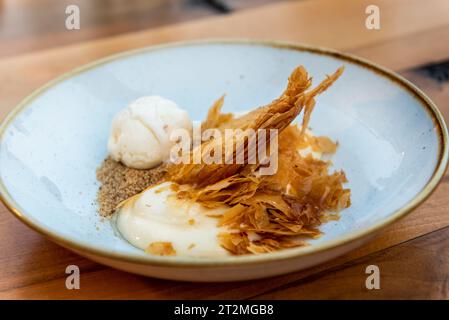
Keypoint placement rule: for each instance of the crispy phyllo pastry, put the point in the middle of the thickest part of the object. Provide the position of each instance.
(277, 115)
(260, 212)
(268, 212)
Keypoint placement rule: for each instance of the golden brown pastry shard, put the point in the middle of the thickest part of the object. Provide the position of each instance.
(272, 212)
(214, 117)
(276, 115)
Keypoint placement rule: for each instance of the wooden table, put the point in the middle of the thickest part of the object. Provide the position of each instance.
(413, 254)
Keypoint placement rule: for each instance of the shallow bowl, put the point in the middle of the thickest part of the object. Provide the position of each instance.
(393, 146)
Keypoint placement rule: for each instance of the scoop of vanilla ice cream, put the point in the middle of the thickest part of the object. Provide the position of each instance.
(140, 133)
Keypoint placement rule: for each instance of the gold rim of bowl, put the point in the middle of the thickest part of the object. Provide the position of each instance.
(285, 254)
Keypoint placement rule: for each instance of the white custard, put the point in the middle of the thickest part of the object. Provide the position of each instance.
(158, 216)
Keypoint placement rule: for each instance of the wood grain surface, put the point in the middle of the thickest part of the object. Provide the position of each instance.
(30, 25)
(412, 254)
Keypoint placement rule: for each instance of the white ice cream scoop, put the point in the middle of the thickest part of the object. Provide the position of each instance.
(140, 133)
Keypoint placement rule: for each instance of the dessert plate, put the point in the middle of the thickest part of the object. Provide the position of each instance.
(393, 146)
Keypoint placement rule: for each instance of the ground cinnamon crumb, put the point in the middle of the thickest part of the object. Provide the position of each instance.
(161, 249)
(119, 182)
(191, 222)
(191, 246)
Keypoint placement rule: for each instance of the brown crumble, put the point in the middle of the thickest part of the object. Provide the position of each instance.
(191, 222)
(119, 183)
(191, 246)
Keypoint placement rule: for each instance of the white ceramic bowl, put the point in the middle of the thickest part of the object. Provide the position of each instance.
(393, 146)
